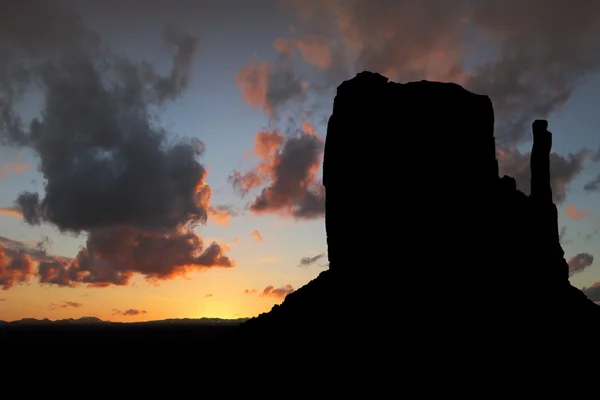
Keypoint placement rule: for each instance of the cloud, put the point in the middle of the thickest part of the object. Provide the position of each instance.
(110, 170)
(13, 167)
(280, 293)
(562, 169)
(576, 214)
(536, 56)
(126, 251)
(65, 304)
(2, 299)
(288, 171)
(206, 296)
(221, 214)
(306, 261)
(266, 145)
(593, 185)
(130, 312)
(532, 61)
(17, 262)
(272, 291)
(252, 82)
(288, 165)
(257, 236)
(593, 292)
(580, 262)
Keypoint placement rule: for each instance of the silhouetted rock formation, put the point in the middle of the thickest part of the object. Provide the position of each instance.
(430, 250)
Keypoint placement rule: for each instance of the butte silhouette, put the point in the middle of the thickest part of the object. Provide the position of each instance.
(428, 245)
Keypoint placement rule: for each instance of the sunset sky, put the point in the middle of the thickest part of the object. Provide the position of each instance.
(162, 159)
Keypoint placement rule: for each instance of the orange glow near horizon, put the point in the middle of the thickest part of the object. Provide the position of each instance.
(212, 293)
(181, 298)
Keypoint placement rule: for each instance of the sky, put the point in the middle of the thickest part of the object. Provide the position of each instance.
(162, 159)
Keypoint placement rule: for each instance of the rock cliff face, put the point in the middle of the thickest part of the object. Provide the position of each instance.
(427, 243)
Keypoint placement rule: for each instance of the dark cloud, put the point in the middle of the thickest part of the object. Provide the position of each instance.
(65, 304)
(294, 188)
(593, 185)
(113, 255)
(272, 291)
(130, 312)
(18, 260)
(288, 170)
(535, 56)
(593, 292)
(280, 292)
(98, 146)
(111, 171)
(563, 170)
(306, 261)
(537, 53)
(274, 88)
(580, 262)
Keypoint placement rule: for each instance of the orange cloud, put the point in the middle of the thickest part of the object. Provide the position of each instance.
(377, 41)
(266, 145)
(253, 83)
(15, 167)
(316, 50)
(289, 168)
(16, 266)
(12, 212)
(575, 214)
(280, 293)
(221, 214)
(272, 291)
(285, 46)
(65, 304)
(257, 236)
(113, 258)
(116, 255)
(130, 312)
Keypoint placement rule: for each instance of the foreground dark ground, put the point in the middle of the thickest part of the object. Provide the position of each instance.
(47, 336)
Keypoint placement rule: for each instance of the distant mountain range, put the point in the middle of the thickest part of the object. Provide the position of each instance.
(95, 320)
